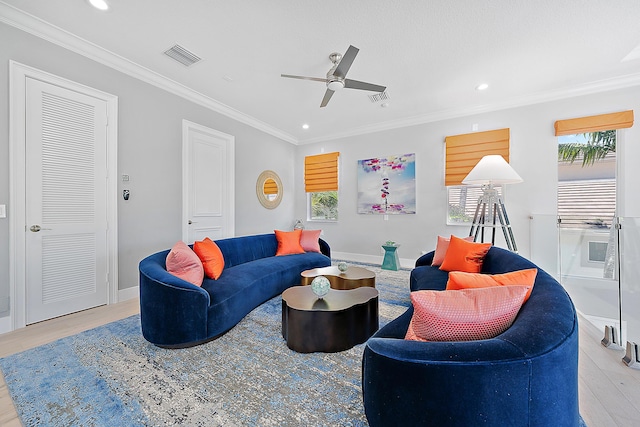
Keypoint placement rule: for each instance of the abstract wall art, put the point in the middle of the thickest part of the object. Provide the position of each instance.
(387, 185)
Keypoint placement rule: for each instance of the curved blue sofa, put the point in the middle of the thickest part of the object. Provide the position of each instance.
(526, 376)
(175, 313)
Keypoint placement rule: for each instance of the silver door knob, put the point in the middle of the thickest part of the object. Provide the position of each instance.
(35, 228)
(192, 222)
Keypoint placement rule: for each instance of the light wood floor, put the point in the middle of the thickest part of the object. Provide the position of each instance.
(609, 391)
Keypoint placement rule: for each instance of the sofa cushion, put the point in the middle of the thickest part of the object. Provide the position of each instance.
(309, 240)
(441, 249)
(464, 256)
(182, 262)
(462, 280)
(288, 242)
(211, 257)
(464, 315)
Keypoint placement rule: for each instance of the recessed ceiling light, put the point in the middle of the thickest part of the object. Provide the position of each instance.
(99, 4)
(305, 126)
(482, 86)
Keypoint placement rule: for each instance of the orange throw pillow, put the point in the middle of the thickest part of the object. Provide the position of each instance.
(464, 315)
(464, 256)
(289, 242)
(211, 257)
(462, 280)
(182, 262)
(441, 249)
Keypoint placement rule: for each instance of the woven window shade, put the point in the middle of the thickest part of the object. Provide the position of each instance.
(270, 187)
(464, 151)
(321, 173)
(620, 120)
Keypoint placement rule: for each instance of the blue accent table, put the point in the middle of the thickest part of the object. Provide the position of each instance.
(390, 260)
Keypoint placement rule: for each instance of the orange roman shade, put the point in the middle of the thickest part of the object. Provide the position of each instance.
(620, 120)
(464, 151)
(321, 172)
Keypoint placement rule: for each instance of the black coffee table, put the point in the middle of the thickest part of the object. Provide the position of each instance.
(337, 322)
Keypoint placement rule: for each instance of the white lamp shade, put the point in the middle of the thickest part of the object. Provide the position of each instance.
(492, 169)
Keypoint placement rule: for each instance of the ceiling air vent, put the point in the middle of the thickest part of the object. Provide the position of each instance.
(379, 97)
(182, 55)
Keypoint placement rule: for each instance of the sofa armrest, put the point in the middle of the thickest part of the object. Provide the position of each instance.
(324, 248)
(173, 312)
(425, 259)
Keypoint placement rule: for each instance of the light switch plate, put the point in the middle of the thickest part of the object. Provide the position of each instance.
(3, 211)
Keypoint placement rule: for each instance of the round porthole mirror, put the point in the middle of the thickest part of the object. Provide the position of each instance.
(269, 189)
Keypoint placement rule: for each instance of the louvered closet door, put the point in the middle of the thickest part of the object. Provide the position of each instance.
(66, 245)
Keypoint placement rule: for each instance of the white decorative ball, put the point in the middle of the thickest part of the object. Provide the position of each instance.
(343, 266)
(320, 286)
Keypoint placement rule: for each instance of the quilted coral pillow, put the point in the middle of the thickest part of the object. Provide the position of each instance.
(288, 242)
(182, 262)
(211, 257)
(464, 256)
(462, 280)
(309, 240)
(441, 249)
(464, 315)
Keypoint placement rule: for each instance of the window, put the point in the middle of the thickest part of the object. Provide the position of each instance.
(323, 206)
(463, 152)
(462, 202)
(321, 184)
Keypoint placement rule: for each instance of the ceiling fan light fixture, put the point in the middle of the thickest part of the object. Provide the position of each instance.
(335, 85)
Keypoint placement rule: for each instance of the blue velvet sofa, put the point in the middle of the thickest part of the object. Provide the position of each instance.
(526, 376)
(175, 313)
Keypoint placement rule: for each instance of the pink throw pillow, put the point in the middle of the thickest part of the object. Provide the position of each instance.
(183, 262)
(309, 240)
(464, 315)
(441, 249)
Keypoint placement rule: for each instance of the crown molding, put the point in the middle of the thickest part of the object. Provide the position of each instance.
(522, 101)
(51, 33)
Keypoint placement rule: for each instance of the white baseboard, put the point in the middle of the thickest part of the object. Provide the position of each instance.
(370, 259)
(128, 293)
(5, 324)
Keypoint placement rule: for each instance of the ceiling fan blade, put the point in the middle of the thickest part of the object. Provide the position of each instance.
(355, 84)
(315, 79)
(346, 61)
(327, 96)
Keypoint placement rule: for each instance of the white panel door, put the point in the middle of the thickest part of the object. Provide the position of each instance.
(208, 183)
(66, 193)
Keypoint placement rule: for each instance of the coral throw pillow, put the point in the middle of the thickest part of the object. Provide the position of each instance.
(211, 257)
(464, 315)
(462, 280)
(309, 240)
(441, 248)
(464, 256)
(182, 262)
(288, 242)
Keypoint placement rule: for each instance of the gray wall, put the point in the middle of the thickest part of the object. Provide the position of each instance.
(149, 150)
(533, 156)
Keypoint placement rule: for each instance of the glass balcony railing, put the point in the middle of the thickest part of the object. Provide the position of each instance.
(598, 263)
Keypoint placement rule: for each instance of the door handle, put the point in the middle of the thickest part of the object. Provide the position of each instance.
(192, 222)
(36, 228)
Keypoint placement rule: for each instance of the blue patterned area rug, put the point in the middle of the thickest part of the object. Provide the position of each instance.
(111, 376)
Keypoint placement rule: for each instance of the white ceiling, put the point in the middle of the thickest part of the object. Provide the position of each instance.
(430, 54)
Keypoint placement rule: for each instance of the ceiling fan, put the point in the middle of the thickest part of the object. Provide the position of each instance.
(336, 76)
